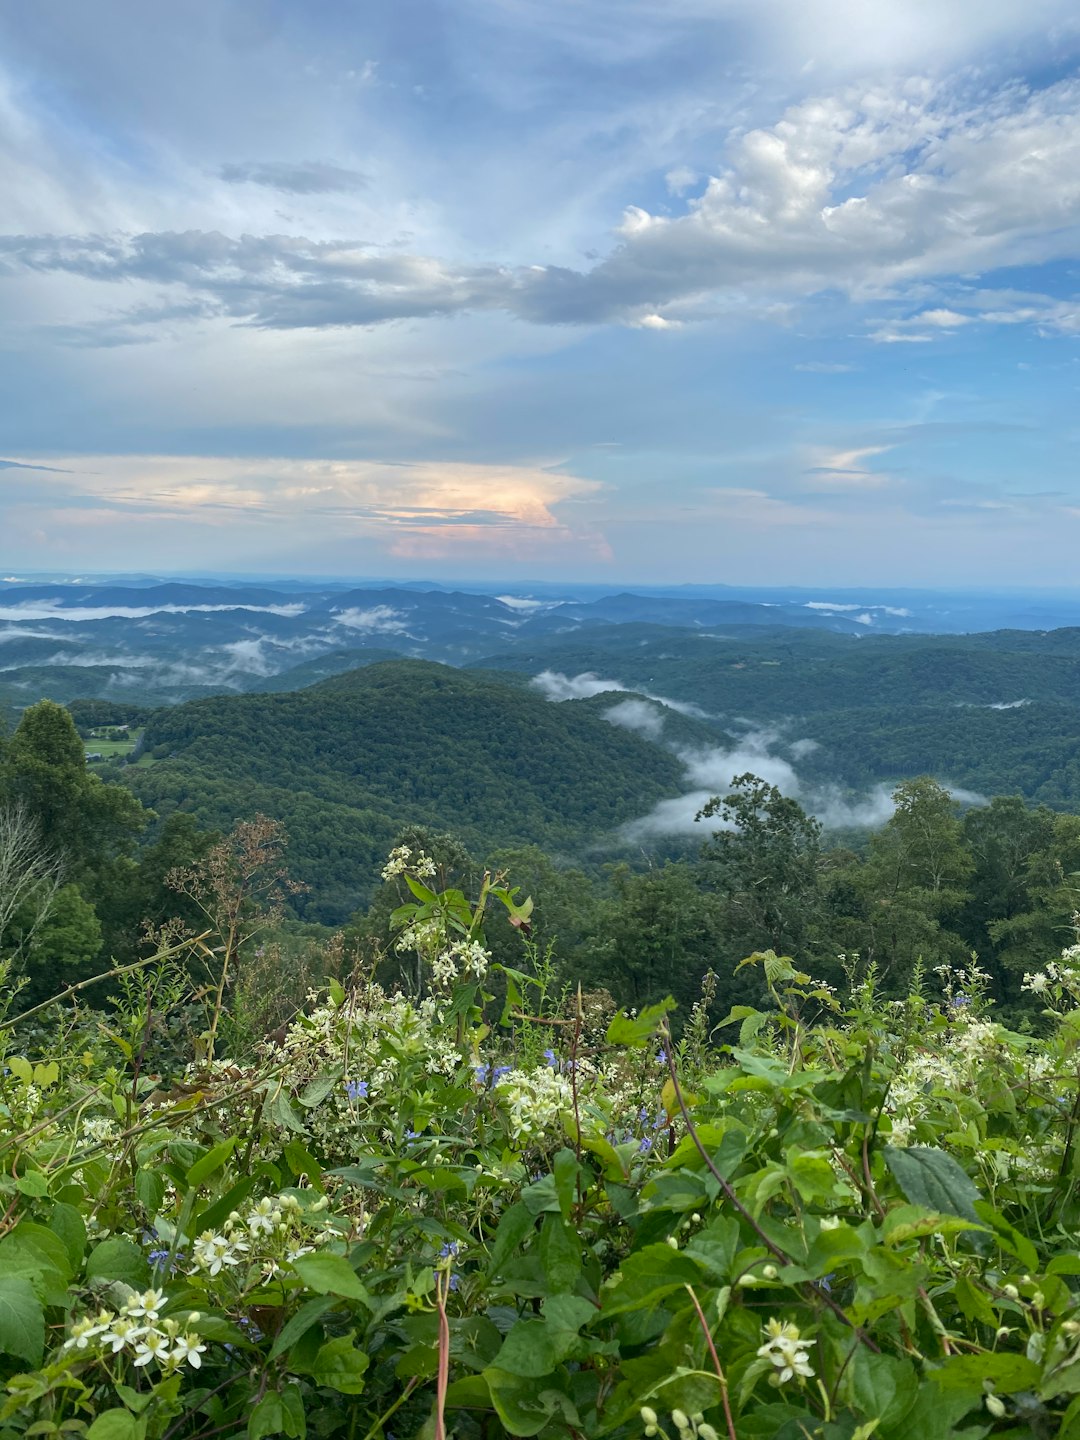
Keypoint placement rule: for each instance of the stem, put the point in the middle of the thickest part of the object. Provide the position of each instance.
(409, 1388)
(716, 1364)
(96, 980)
(442, 1289)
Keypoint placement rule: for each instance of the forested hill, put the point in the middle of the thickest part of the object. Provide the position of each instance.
(347, 762)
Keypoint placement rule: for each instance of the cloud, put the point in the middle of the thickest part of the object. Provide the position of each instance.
(429, 508)
(309, 177)
(58, 610)
(637, 715)
(380, 618)
(557, 686)
(856, 190)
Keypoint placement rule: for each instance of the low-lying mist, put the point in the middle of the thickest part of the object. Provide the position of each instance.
(768, 751)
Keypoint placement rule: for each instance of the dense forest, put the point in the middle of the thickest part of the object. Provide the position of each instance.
(935, 885)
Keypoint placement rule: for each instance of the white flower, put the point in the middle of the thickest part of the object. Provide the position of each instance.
(122, 1332)
(147, 1304)
(189, 1348)
(1037, 983)
(786, 1349)
(261, 1220)
(154, 1346)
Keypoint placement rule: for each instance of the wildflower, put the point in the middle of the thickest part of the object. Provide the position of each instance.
(261, 1220)
(1037, 983)
(450, 1248)
(786, 1349)
(356, 1089)
(645, 1146)
(147, 1304)
(190, 1348)
(552, 1059)
(121, 1333)
(153, 1346)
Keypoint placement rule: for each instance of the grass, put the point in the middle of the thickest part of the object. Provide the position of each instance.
(110, 749)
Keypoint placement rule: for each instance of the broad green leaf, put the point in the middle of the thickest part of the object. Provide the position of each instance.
(1005, 1373)
(301, 1323)
(646, 1277)
(67, 1223)
(115, 1425)
(33, 1183)
(1009, 1238)
(316, 1091)
(301, 1162)
(516, 1223)
(341, 1366)
(331, 1275)
(933, 1179)
(22, 1321)
(211, 1162)
(882, 1387)
(118, 1259)
(526, 1405)
(560, 1253)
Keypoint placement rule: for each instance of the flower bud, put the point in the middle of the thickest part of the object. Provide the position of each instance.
(673, 1242)
(995, 1405)
(770, 1272)
(680, 1419)
(649, 1415)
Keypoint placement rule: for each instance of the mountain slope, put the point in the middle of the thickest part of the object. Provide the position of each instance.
(346, 762)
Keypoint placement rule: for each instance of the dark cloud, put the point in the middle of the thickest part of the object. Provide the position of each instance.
(306, 177)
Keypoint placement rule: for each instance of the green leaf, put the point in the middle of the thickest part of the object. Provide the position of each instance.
(302, 1163)
(639, 1029)
(526, 1405)
(974, 1303)
(1006, 1373)
(931, 1178)
(211, 1162)
(560, 1253)
(22, 1321)
(66, 1222)
(118, 1259)
(646, 1277)
(1008, 1237)
(515, 1224)
(301, 1323)
(33, 1183)
(316, 1091)
(341, 1366)
(150, 1188)
(40, 1246)
(114, 1425)
(331, 1275)
(882, 1387)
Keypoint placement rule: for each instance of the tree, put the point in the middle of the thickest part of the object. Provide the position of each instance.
(915, 880)
(764, 862)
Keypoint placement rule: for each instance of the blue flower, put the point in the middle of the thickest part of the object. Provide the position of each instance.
(552, 1059)
(482, 1074)
(499, 1072)
(356, 1089)
(645, 1146)
(959, 1001)
(450, 1248)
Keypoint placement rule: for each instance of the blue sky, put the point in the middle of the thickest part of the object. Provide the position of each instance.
(632, 290)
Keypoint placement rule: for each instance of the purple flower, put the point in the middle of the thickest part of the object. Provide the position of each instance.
(356, 1089)
(552, 1059)
(499, 1072)
(482, 1072)
(645, 1146)
(450, 1248)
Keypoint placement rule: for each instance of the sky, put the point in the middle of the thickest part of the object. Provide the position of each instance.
(745, 291)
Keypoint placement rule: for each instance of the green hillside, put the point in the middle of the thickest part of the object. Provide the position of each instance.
(346, 762)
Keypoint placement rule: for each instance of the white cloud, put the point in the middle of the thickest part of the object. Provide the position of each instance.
(378, 618)
(637, 715)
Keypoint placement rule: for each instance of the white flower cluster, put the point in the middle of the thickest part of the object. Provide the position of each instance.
(786, 1349)
(464, 959)
(380, 1042)
(534, 1100)
(269, 1232)
(137, 1332)
(401, 859)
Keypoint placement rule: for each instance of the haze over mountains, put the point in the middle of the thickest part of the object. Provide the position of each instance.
(174, 640)
(594, 724)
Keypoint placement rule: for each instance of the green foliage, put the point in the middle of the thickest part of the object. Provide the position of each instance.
(401, 1216)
